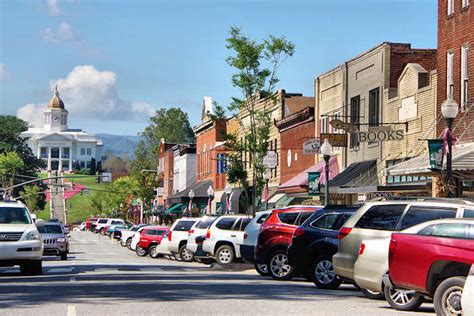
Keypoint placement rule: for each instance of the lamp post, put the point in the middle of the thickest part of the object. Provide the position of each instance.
(191, 196)
(228, 191)
(326, 150)
(266, 176)
(449, 109)
(210, 193)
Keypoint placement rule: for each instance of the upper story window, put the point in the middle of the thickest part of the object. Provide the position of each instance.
(450, 7)
(355, 119)
(336, 116)
(465, 3)
(464, 77)
(83, 151)
(323, 124)
(374, 107)
(89, 151)
(450, 74)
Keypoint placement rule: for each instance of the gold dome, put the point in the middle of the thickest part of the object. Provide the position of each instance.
(56, 102)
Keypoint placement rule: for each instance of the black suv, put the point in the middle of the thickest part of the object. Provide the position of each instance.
(315, 242)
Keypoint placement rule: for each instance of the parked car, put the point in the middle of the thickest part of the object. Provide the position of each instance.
(82, 226)
(275, 237)
(103, 223)
(55, 240)
(127, 235)
(434, 261)
(132, 244)
(90, 223)
(20, 241)
(178, 237)
(467, 302)
(112, 228)
(379, 218)
(150, 238)
(199, 229)
(315, 242)
(247, 247)
(162, 249)
(224, 236)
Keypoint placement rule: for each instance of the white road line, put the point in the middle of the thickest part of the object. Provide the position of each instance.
(60, 270)
(72, 279)
(71, 310)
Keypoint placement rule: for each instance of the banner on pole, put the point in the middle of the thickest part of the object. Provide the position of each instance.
(313, 183)
(435, 147)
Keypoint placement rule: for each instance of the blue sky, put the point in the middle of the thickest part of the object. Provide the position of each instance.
(117, 61)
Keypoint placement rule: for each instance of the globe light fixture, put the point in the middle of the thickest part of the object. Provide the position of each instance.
(326, 150)
(449, 109)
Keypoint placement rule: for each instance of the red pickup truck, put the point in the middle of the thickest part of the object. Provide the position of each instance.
(434, 262)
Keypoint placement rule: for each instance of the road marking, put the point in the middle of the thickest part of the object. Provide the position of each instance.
(72, 279)
(71, 310)
(60, 270)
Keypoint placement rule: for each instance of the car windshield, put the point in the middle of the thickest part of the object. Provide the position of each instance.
(50, 229)
(102, 221)
(14, 215)
(205, 223)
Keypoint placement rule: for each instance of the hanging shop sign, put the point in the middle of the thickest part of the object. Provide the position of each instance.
(435, 147)
(313, 183)
(271, 160)
(375, 135)
(348, 127)
(311, 146)
(336, 140)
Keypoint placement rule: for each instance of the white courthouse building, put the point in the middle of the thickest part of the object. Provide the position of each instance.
(62, 148)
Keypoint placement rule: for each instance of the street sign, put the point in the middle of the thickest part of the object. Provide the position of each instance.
(311, 146)
(313, 183)
(271, 160)
(336, 140)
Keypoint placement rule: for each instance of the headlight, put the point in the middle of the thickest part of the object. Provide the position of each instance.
(32, 235)
(61, 239)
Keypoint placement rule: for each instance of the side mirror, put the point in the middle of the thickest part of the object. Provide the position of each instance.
(33, 217)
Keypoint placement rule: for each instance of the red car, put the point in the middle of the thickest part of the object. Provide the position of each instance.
(150, 238)
(435, 262)
(89, 222)
(275, 237)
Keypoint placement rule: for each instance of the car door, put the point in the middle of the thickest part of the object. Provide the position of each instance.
(239, 230)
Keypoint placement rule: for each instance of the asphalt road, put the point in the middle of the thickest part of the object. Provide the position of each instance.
(102, 278)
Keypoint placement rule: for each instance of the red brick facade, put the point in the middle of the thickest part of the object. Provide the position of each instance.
(400, 58)
(455, 31)
(166, 166)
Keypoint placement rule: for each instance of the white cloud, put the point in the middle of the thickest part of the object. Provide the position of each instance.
(32, 113)
(92, 94)
(53, 7)
(63, 33)
(4, 73)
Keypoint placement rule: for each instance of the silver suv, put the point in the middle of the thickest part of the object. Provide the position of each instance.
(54, 239)
(379, 218)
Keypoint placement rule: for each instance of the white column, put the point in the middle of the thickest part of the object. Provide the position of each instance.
(49, 158)
(70, 159)
(38, 151)
(60, 159)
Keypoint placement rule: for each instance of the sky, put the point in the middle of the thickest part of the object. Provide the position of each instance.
(117, 61)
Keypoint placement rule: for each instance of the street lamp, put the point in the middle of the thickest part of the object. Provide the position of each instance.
(267, 175)
(191, 197)
(228, 191)
(210, 193)
(449, 109)
(326, 150)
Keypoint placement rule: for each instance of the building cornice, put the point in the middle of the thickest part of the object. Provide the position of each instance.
(303, 116)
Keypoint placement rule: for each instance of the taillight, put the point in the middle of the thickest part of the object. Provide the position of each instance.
(299, 232)
(343, 232)
(208, 234)
(169, 235)
(361, 249)
(245, 235)
(190, 232)
(391, 249)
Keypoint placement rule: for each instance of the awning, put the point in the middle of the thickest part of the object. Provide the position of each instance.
(176, 209)
(217, 199)
(300, 181)
(463, 164)
(358, 174)
(200, 192)
(274, 199)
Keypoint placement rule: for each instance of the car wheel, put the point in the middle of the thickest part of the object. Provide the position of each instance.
(207, 260)
(123, 243)
(185, 255)
(447, 297)
(403, 300)
(129, 243)
(153, 252)
(225, 255)
(64, 256)
(262, 269)
(373, 295)
(141, 252)
(324, 275)
(278, 266)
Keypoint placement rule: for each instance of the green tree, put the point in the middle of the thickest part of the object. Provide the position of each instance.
(31, 197)
(256, 65)
(10, 164)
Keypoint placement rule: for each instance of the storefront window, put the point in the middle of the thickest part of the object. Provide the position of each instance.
(402, 179)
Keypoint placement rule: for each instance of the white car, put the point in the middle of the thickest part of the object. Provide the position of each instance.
(135, 239)
(102, 223)
(178, 237)
(224, 237)
(20, 241)
(82, 226)
(162, 249)
(127, 235)
(247, 248)
(467, 301)
(199, 229)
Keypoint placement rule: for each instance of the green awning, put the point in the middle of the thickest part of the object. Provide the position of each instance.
(175, 209)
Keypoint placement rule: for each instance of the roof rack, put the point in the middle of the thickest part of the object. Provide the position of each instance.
(424, 199)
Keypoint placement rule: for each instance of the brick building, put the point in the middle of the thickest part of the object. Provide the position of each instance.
(165, 171)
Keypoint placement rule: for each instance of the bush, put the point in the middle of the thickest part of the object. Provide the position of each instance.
(85, 171)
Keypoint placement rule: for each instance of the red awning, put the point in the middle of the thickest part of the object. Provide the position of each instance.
(301, 180)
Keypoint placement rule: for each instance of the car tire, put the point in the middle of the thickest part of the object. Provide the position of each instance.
(225, 255)
(141, 252)
(185, 254)
(403, 300)
(207, 260)
(64, 256)
(278, 266)
(373, 295)
(153, 252)
(262, 269)
(128, 243)
(123, 243)
(324, 276)
(447, 297)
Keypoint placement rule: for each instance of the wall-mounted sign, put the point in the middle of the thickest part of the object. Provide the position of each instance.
(336, 140)
(381, 135)
(311, 146)
(271, 160)
(313, 183)
(435, 147)
(374, 195)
